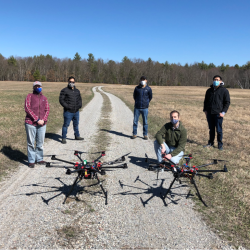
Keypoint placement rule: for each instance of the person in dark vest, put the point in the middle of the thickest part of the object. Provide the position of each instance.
(216, 104)
(142, 96)
(71, 100)
(37, 112)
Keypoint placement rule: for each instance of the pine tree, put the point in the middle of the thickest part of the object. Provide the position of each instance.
(36, 75)
(77, 57)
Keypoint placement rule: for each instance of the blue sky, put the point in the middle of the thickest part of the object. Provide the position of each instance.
(183, 31)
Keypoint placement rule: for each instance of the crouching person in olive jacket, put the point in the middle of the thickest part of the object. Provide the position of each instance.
(171, 139)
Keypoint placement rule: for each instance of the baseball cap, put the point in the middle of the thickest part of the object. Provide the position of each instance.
(37, 83)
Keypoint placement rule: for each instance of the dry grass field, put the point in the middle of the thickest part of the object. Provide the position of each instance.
(228, 194)
(13, 144)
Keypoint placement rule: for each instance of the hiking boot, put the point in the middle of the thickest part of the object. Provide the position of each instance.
(41, 162)
(209, 145)
(31, 165)
(145, 137)
(64, 141)
(133, 136)
(79, 138)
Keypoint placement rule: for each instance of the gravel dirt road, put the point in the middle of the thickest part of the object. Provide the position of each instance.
(32, 214)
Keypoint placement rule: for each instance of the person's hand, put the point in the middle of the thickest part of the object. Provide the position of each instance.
(163, 149)
(205, 113)
(221, 115)
(168, 156)
(40, 122)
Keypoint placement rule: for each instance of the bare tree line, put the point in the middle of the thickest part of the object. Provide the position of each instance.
(52, 69)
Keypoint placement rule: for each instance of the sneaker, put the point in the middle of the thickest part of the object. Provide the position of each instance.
(220, 148)
(31, 165)
(133, 136)
(209, 145)
(145, 137)
(64, 141)
(41, 162)
(79, 138)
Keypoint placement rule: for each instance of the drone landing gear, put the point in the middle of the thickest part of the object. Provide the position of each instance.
(164, 196)
(198, 193)
(80, 178)
(192, 182)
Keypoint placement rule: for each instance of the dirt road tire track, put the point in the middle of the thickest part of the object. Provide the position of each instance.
(31, 217)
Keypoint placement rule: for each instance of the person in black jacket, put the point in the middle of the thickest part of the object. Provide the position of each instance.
(70, 99)
(216, 104)
(142, 96)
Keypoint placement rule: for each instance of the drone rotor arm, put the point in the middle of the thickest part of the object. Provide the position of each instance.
(202, 166)
(54, 158)
(124, 165)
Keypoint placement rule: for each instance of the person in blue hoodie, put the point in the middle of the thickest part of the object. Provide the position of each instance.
(142, 96)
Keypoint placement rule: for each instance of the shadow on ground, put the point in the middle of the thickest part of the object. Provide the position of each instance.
(158, 191)
(194, 142)
(14, 154)
(53, 136)
(140, 161)
(119, 133)
(64, 190)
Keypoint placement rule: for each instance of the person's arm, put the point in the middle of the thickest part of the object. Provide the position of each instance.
(181, 144)
(226, 101)
(28, 108)
(80, 100)
(161, 134)
(134, 94)
(62, 99)
(150, 94)
(205, 103)
(45, 118)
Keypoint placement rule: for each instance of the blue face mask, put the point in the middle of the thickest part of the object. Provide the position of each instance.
(216, 83)
(38, 90)
(174, 121)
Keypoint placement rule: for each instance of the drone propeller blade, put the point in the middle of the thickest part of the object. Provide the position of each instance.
(189, 155)
(118, 160)
(218, 160)
(52, 155)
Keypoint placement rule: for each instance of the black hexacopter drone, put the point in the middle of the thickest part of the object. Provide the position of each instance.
(184, 171)
(89, 170)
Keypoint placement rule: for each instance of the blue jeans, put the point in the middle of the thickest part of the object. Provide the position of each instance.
(35, 133)
(215, 121)
(68, 117)
(144, 113)
(169, 149)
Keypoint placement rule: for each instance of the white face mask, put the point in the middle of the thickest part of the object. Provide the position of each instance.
(143, 83)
